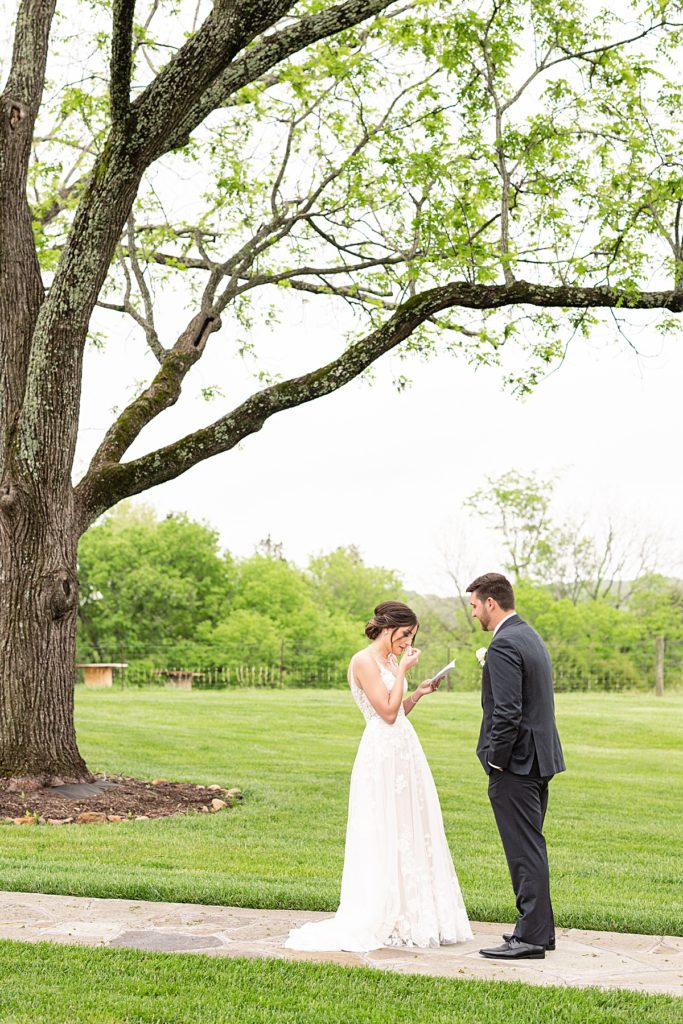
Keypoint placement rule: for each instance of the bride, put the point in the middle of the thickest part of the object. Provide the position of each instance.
(399, 887)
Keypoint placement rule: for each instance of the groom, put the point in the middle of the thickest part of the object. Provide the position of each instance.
(520, 750)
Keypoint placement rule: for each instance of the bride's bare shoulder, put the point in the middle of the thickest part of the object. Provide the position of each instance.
(364, 664)
(363, 657)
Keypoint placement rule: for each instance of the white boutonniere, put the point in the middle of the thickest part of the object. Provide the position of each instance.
(481, 655)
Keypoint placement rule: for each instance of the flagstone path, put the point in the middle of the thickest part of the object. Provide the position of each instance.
(643, 963)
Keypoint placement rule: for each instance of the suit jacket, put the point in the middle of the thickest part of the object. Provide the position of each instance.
(518, 703)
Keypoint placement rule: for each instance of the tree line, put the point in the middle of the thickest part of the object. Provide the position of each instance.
(161, 596)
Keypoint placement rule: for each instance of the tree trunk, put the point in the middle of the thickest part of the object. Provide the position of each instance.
(38, 612)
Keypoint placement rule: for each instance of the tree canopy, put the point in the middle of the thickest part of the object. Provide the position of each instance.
(160, 593)
(452, 173)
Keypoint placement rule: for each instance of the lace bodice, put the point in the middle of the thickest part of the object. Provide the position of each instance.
(388, 676)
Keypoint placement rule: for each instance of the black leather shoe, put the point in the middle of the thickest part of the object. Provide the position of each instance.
(514, 949)
(550, 948)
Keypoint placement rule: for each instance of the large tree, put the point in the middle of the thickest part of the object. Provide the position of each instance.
(431, 164)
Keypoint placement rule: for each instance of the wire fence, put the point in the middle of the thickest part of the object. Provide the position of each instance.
(656, 665)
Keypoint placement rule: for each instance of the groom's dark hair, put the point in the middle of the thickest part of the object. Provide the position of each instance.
(492, 584)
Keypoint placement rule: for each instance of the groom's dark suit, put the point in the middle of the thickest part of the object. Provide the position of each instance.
(519, 736)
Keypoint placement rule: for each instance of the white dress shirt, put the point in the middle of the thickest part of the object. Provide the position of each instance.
(504, 619)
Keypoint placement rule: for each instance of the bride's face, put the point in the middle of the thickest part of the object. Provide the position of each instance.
(399, 639)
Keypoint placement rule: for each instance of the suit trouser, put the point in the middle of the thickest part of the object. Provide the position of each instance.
(519, 804)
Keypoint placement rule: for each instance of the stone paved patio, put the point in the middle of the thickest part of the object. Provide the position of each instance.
(643, 963)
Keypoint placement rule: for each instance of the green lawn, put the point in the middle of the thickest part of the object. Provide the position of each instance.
(66, 985)
(614, 824)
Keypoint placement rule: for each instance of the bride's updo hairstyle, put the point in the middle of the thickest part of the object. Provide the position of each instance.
(391, 615)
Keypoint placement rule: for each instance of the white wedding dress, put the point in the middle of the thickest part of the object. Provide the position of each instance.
(399, 886)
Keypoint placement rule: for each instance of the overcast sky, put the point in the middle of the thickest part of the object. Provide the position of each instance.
(389, 471)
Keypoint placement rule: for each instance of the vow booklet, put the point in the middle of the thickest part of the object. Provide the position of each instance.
(443, 672)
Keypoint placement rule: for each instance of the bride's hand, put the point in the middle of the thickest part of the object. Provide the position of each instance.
(425, 687)
(410, 658)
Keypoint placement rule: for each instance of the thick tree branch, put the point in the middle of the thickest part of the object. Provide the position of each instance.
(274, 78)
(161, 394)
(166, 387)
(59, 338)
(170, 97)
(109, 482)
(19, 105)
(27, 73)
(21, 286)
(269, 51)
(121, 60)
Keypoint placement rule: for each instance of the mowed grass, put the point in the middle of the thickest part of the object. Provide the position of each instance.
(614, 824)
(66, 985)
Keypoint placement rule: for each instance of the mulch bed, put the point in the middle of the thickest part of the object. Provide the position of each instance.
(131, 798)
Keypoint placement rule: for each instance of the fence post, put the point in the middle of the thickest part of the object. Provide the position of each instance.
(659, 666)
